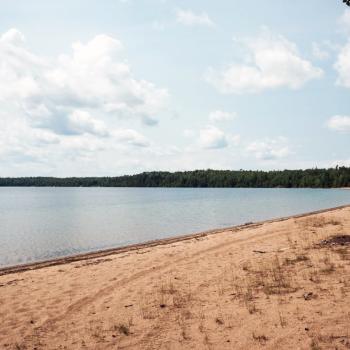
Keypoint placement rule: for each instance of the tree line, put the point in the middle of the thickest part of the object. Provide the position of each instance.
(315, 178)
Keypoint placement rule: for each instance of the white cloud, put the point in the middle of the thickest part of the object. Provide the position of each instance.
(132, 137)
(94, 79)
(342, 66)
(339, 123)
(61, 113)
(270, 149)
(221, 116)
(234, 139)
(212, 137)
(272, 62)
(344, 21)
(320, 52)
(190, 18)
(81, 122)
(189, 133)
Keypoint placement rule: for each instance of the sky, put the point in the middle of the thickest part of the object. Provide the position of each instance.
(112, 87)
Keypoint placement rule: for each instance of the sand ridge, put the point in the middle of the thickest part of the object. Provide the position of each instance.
(267, 285)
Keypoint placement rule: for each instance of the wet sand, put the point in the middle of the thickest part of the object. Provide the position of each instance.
(279, 284)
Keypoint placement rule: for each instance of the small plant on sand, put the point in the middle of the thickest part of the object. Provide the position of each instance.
(246, 266)
(252, 309)
(96, 330)
(334, 222)
(248, 299)
(219, 320)
(147, 312)
(344, 253)
(329, 266)
(181, 319)
(298, 258)
(168, 287)
(318, 222)
(314, 345)
(314, 276)
(123, 329)
(162, 300)
(278, 280)
(282, 320)
(291, 243)
(262, 339)
(201, 317)
(220, 285)
(206, 340)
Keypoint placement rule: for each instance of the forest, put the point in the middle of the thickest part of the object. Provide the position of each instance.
(314, 178)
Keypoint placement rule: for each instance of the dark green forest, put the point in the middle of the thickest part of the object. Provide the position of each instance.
(315, 178)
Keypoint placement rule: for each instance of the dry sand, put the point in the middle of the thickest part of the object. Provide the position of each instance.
(269, 285)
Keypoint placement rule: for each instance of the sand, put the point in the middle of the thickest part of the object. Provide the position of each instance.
(280, 284)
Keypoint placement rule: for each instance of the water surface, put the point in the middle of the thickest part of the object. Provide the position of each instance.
(43, 223)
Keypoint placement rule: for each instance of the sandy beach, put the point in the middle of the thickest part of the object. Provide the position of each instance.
(279, 284)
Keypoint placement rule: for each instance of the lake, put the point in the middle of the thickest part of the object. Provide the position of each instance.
(44, 223)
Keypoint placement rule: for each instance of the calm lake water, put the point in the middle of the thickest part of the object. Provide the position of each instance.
(44, 223)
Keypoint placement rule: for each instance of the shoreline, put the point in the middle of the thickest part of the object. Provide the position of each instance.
(282, 283)
(148, 244)
(182, 187)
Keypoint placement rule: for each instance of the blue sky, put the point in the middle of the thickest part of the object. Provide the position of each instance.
(115, 87)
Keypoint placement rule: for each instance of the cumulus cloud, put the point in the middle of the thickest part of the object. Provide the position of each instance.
(271, 62)
(270, 149)
(72, 108)
(339, 123)
(190, 18)
(344, 21)
(342, 66)
(93, 80)
(212, 137)
(221, 116)
(132, 137)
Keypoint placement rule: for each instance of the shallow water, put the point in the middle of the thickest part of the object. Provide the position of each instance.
(43, 223)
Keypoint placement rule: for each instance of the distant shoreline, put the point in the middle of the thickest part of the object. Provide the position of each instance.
(149, 244)
(309, 178)
(187, 187)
